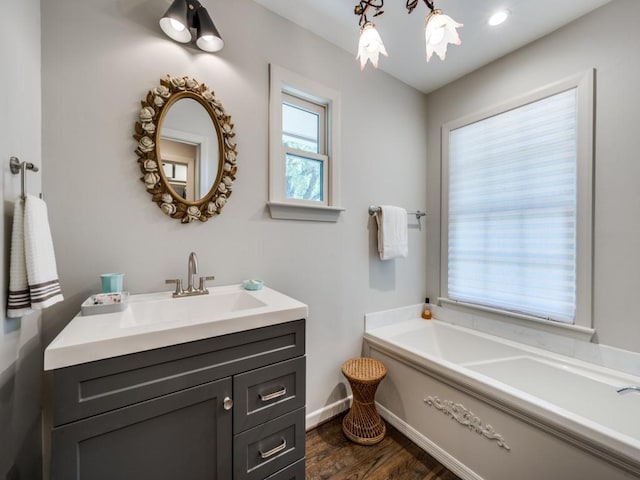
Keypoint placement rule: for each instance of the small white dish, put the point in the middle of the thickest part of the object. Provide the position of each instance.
(105, 303)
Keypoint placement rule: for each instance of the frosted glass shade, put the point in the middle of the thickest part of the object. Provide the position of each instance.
(440, 30)
(370, 46)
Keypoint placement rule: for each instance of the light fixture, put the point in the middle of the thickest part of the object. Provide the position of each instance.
(182, 17)
(498, 17)
(440, 30)
(370, 45)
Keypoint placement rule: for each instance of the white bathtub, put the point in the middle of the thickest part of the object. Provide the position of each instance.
(494, 409)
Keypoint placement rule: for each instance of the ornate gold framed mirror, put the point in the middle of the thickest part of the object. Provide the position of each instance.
(186, 149)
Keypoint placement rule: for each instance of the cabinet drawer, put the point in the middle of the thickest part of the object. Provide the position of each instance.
(268, 448)
(92, 388)
(292, 472)
(266, 393)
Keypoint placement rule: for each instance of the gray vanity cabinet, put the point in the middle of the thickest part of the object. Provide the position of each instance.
(180, 435)
(220, 408)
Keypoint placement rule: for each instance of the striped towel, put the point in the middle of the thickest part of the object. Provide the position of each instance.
(33, 275)
(19, 303)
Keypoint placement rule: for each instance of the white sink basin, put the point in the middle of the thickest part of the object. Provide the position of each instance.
(218, 304)
(157, 320)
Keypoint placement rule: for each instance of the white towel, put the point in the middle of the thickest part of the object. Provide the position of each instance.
(33, 275)
(392, 232)
(18, 303)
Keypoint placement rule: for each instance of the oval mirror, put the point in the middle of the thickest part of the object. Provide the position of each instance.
(186, 149)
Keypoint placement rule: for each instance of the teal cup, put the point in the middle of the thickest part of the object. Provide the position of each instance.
(112, 282)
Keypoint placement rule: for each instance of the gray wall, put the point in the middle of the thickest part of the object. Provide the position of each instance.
(20, 345)
(608, 40)
(100, 58)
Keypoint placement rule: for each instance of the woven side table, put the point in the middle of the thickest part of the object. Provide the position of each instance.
(362, 424)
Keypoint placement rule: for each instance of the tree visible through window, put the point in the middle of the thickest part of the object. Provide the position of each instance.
(304, 139)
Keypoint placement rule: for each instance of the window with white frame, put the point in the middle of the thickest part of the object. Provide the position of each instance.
(304, 142)
(517, 205)
(304, 152)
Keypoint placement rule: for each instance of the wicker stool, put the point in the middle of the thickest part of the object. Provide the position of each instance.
(362, 424)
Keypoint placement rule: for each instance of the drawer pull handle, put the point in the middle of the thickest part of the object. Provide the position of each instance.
(227, 403)
(273, 451)
(271, 396)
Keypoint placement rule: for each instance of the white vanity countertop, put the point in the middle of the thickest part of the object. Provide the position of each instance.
(157, 320)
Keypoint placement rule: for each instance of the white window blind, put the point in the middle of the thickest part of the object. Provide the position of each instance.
(512, 209)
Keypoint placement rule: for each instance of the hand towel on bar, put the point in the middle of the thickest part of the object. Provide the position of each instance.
(42, 273)
(392, 232)
(33, 280)
(18, 303)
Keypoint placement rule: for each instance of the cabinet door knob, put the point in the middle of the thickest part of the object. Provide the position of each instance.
(227, 403)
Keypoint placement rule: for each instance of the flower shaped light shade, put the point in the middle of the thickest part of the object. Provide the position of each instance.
(440, 30)
(370, 46)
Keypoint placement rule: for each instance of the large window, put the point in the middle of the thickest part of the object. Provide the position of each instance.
(519, 205)
(304, 148)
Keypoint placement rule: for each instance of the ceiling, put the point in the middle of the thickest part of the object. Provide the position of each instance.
(403, 34)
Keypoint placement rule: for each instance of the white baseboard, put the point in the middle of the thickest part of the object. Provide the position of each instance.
(428, 446)
(326, 413)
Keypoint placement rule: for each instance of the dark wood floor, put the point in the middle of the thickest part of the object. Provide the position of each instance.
(331, 456)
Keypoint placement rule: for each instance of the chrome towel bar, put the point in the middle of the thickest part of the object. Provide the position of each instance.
(373, 209)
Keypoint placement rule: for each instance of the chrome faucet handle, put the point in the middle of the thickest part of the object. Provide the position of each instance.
(203, 286)
(178, 283)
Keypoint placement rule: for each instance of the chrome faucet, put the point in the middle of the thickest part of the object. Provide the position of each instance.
(192, 271)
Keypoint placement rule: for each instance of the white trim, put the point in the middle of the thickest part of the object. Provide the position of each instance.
(202, 142)
(460, 469)
(282, 80)
(584, 256)
(564, 329)
(584, 85)
(304, 211)
(326, 413)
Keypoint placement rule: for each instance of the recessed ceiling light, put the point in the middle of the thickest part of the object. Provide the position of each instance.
(498, 17)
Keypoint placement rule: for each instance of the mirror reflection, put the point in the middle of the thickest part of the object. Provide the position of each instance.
(188, 149)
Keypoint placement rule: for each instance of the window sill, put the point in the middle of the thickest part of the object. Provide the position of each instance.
(292, 211)
(577, 332)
